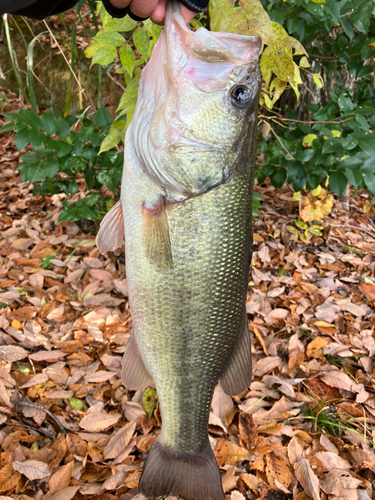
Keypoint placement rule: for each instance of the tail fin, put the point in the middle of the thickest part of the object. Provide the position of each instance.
(192, 477)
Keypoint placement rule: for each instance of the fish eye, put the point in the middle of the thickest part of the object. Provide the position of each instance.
(240, 96)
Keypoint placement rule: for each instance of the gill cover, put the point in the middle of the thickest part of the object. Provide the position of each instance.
(195, 64)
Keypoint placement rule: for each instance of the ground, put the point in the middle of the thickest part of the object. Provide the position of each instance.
(70, 430)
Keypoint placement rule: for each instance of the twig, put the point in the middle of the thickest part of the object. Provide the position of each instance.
(81, 89)
(282, 145)
(40, 430)
(37, 407)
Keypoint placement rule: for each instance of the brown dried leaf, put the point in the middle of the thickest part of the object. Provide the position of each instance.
(119, 441)
(47, 355)
(332, 461)
(9, 478)
(221, 451)
(277, 469)
(338, 379)
(307, 478)
(60, 479)
(338, 480)
(98, 421)
(40, 378)
(65, 494)
(11, 353)
(32, 469)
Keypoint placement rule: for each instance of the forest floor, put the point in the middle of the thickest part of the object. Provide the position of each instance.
(70, 430)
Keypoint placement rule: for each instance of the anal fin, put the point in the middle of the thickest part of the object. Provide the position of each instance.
(155, 234)
(111, 231)
(134, 374)
(237, 375)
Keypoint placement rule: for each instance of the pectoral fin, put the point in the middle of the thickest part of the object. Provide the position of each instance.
(134, 374)
(238, 373)
(155, 233)
(111, 231)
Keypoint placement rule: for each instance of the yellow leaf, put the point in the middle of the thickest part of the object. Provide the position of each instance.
(366, 208)
(308, 140)
(284, 67)
(336, 133)
(297, 75)
(318, 80)
(319, 1)
(267, 63)
(317, 191)
(236, 454)
(272, 428)
(316, 209)
(258, 20)
(304, 63)
(16, 324)
(297, 196)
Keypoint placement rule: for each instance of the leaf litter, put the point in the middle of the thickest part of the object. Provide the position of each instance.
(69, 429)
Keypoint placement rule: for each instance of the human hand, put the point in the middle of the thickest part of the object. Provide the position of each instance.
(154, 9)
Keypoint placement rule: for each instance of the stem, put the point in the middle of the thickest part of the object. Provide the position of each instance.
(11, 55)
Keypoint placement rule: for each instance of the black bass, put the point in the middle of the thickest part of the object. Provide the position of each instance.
(186, 202)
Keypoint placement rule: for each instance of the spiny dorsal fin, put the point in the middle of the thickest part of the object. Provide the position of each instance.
(155, 233)
(111, 231)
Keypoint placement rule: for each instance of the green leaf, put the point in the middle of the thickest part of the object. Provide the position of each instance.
(370, 182)
(102, 117)
(278, 177)
(360, 20)
(51, 167)
(49, 123)
(150, 401)
(347, 27)
(111, 38)
(22, 138)
(338, 182)
(127, 59)
(76, 404)
(116, 24)
(141, 42)
(367, 144)
(29, 118)
(62, 128)
(104, 55)
(349, 142)
(62, 148)
(354, 176)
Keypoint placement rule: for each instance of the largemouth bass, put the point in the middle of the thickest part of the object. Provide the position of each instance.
(186, 202)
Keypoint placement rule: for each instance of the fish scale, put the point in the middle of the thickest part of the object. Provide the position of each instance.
(186, 203)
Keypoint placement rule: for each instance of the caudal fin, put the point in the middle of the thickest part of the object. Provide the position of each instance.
(192, 477)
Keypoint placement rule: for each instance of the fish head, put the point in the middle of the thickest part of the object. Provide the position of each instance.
(198, 100)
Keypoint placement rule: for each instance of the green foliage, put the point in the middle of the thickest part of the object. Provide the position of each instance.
(150, 401)
(65, 152)
(117, 44)
(337, 144)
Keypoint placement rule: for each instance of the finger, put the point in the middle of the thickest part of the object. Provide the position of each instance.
(143, 8)
(158, 15)
(120, 4)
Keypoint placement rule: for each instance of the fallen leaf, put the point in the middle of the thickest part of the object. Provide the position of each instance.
(119, 441)
(12, 353)
(307, 478)
(60, 479)
(32, 469)
(276, 469)
(332, 461)
(99, 421)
